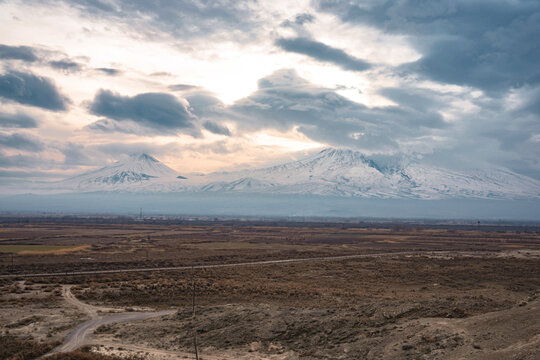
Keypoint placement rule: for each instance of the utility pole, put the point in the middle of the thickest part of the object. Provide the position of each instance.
(140, 214)
(193, 318)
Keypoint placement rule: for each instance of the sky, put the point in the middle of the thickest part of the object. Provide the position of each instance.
(223, 85)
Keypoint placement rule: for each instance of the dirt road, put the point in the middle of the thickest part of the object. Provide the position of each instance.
(266, 262)
(81, 334)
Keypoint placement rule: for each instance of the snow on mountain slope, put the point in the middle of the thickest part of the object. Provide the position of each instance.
(138, 172)
(335, 172)
(340, 172)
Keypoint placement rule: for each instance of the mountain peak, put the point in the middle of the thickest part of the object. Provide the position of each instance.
(331, 171)
(138, 169)
(331, 150)
(340, 154)
(143, 157)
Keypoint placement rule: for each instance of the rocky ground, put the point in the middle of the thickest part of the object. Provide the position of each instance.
(462, 304)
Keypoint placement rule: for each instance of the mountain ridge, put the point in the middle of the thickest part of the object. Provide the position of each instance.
(331, 171)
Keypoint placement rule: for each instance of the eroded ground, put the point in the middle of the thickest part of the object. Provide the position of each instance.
(477, 300)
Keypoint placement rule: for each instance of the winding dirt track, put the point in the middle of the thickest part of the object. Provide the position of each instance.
(251, 263)
(81, 334)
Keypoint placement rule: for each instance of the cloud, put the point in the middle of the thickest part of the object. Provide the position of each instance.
(24, 53)
(20, 142)
(216, 128)
(34, 90)
(423, 101)
(19, 160)
(297, 24)
(205, 105)
(65, 65)
(285, 101)
(322, 52)
(93, 5)
(183, 19)
(531, 103)
(182, 87)
(40, 56)
(75, 154)
(304, 18)
(299, 20)
(18, 175)
(158, 112)
(17, 120)
(109, 71)
(108, 126)
(490, 45)
(117, 149)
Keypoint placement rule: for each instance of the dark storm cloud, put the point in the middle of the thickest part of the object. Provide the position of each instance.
(24, 53)
(65, 65)
(156, 111)
(182, 19)
(17, 120)
(30, 89)
(322, 52)
(109, 71)
(491, 45)
(216, 128)
(284, 101)
(20, 142)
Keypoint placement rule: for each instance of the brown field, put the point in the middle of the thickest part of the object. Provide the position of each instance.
(460, 292)
(41, 249)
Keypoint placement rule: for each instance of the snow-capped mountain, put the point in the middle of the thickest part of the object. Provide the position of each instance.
(335, 172)
(341, 172)
(138, 172)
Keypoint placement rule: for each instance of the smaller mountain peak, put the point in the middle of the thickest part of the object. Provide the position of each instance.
(143, 157)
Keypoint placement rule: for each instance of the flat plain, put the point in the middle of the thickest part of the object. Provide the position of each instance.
(378, 290)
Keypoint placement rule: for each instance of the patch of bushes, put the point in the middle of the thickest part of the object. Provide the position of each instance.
(12, 348)
(85, 354)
